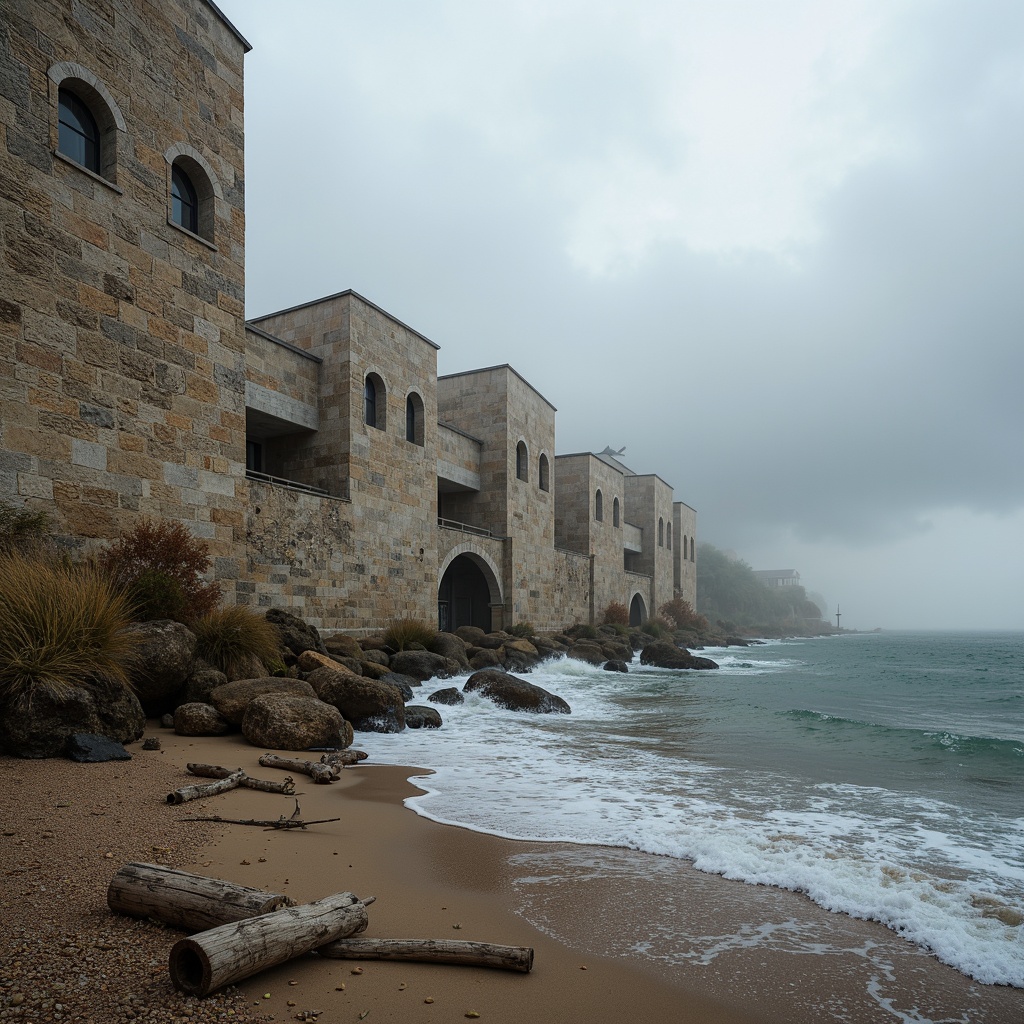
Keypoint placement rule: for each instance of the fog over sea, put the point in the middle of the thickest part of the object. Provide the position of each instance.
(880, 775)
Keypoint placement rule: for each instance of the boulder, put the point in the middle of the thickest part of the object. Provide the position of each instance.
(616, 651)
(89, 748)
(419, 717)
(343, 646)
(471, 634)
(373, 669)
(201, 684)
(513, 693)
(165, 653)
(296, 635)
(516, 661)
(284, 721)
(493, 641)
(232, 699)
(405, 684)
(200, 720)
(40, 727)
(548, 648)
(423, 665)
(450, 695)
(615, 666)
(484, 658)
(371, 705)
(448, 645)
(248, 667)
(662, 654)
(588, 651)
(376, 655)
(310, 661)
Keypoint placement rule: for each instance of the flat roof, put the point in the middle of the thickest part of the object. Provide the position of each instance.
(499, 366)
(341, 295)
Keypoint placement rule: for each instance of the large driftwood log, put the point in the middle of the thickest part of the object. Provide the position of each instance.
(190, 902)
(316, 770)
(216, 771)
(206, 962)
(202, 789)
(345, 757)
(479, 954)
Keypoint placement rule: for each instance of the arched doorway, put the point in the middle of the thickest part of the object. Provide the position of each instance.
(637, 611)
(464, 596)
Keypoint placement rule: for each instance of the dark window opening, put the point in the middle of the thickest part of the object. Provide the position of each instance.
(668, 537)
(522, 462)
(661, 533)
(615, 512)
(184, 201)
(544, 480)
(78, 136)
(599, 507)
(414, 419)
(253, 456)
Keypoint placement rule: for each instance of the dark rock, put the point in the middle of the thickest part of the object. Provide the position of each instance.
(513, 693)
(90, 748)
(471, 634)
(40, 727)
(588, 651)
(405, 684)
(419, 717)
(617, 651)
(201, 684)
(283, 721)
(484, 658)
(373, 669)
(615, 666)
(662, 654)
(423, 665)
(736, 641)
(164, 659)
(371, 705)
(342, 646)
(167, 721)
(450, 695)
(151, 743)
(519, 655)
(296, 635)
(448, 645)
(492, 641)
(232, 699)
(200, 720)
(377, 656)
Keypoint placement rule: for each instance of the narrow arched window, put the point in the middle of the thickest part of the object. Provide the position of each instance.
(370, 403)
(414, 419)
(544, 474)
(684, 547)
(184, 200)
(692, 555)
(78, 135)
(615, 512)
(522, 462)
(661, 533)
(599, 506)
(668, 537)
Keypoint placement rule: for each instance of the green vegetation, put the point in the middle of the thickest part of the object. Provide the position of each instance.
(61, 625)
(401, 634)
(230, 638)
(522, 629)
(161, 567)
(730, 595)
(616, 614)
(21, 526)
(657, 627)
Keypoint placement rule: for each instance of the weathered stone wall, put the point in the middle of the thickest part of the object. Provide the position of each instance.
(121, 334)
(684, 554)
(649, 506)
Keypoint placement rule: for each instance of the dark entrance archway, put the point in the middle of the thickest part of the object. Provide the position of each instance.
(463, 598)
(637, 611)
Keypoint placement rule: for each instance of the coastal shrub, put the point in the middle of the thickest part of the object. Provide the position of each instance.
(616, 614)
(583, 631)
(161, 567)
(61, 625)
(522, 629)
(402, 633)
(657, 627)
(230, 638)
(682, 614)
(21, 526)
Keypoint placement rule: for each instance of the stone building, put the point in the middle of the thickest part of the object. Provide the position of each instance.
(315, 449)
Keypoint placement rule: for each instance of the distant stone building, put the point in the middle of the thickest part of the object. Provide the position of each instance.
(315, 449)
(778, 577)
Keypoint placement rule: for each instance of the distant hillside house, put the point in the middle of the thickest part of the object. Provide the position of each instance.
(778, 577)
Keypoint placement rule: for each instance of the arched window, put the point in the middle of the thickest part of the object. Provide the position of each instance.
(78, 135)
(414, 419)
(692, 556)
(661, 533)
(684, 547)
(543, 472)
(184, 200)
(374, 402)
(615, 512)
(668, 537)
(599, 506)
(522, 461)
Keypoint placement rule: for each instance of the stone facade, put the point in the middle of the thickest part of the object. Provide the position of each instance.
(315, 449)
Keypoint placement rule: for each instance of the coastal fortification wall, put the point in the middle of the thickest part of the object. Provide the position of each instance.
(649, 506)
(122, 346)
(684, 554)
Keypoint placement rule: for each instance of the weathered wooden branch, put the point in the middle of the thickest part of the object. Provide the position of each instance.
(216, 771)
(316, 770)
(232, 952)
(190, 902)
(345, 758)
(479, 954)
(202, 789)
(268, 823)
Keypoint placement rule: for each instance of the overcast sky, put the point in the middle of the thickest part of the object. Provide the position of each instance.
(775, 248)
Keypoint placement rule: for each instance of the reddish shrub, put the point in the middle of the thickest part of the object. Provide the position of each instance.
(682, 614)
(616, 614)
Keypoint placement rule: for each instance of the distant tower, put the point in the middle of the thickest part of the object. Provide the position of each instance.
(837, 616)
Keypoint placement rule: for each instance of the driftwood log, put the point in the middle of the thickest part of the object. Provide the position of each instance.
(438, 951)
(190, 902)
(345, 758)
(316, 770)
(210, 960)
(202, 789)
(216, 771)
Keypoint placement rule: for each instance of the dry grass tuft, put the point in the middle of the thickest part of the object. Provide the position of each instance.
(229, 638)
(402, 633)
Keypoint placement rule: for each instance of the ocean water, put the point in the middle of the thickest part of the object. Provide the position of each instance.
(880, 775)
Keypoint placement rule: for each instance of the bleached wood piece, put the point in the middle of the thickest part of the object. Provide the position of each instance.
(216, 771)
(316, 770)
(442, 951)
(190, 902)
(202, 789)
(210, 960)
